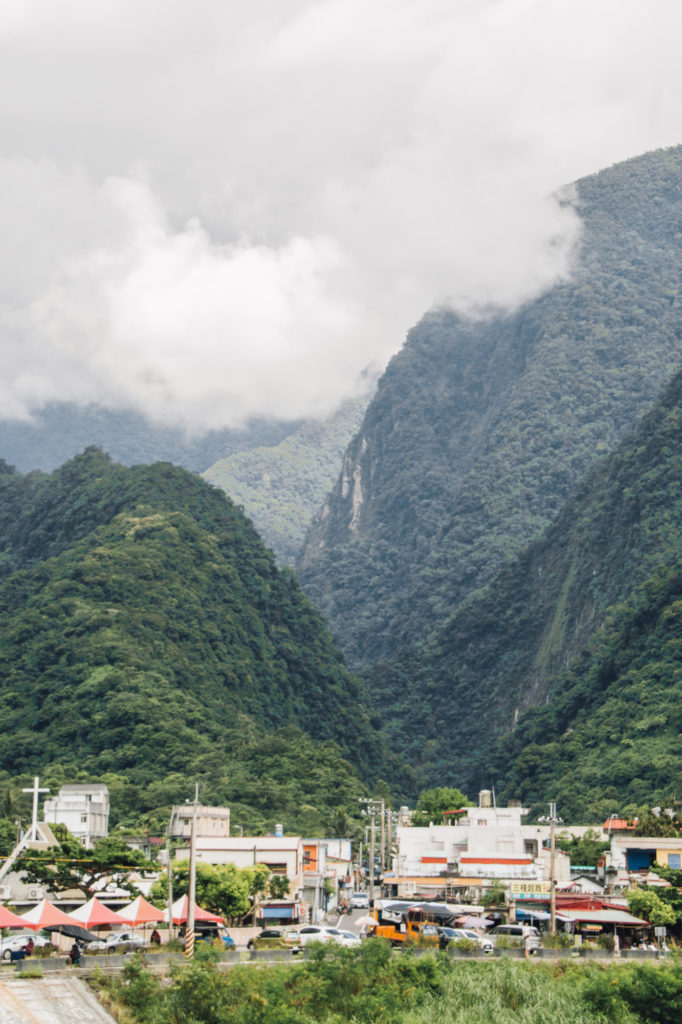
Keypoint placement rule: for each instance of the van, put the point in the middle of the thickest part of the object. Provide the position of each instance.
(521, 932)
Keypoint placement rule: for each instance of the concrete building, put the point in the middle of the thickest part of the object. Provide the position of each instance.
(483, 846)
(84, 809)
(284, 855)
(211, 821)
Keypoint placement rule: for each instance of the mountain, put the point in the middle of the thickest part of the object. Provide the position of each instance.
(148, 640)
(281, 486)
(481, 430)
(572, 651)
(62, 430)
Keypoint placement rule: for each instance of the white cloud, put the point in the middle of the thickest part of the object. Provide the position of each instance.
(232, 209)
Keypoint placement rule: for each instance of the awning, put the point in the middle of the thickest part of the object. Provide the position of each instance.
(536, 915)
(605, 916)
(276, 912)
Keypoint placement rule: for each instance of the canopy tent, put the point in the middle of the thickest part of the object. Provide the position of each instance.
(74, 931)
(93, 914)
(140, 911)
(45, 914)
(181, 906)
(10, 920)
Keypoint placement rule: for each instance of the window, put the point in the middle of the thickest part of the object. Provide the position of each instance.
(674, 861)
(84, 817)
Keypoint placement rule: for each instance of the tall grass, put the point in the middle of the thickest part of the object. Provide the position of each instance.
(370, 986)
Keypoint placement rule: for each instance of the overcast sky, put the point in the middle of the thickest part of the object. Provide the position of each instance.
(225, 208)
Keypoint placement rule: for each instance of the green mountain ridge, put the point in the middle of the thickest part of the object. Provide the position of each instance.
(281, 487)
(575, 624)
(147, 638)
(480, 430)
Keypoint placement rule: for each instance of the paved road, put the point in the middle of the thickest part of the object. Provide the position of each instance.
(49, 1001)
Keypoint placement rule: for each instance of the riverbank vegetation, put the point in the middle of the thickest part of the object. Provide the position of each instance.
(369, 986)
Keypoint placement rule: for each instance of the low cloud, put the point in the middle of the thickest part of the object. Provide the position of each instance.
(234, 210)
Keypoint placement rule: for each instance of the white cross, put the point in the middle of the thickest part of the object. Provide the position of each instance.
(35, 789)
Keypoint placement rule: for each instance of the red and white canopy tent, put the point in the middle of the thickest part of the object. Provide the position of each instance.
(181, 906)
(140, 911)
(45, 915)
(94, 914)
(10, 920)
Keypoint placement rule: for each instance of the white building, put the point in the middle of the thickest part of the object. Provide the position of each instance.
(282, 854)
(84, 809)
(211, 821)
(483, 845)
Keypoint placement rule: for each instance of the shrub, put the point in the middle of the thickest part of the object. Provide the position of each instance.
(560, 940)
(466, 945)
(508, 941)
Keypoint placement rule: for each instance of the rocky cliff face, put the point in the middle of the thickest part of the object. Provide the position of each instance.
(480, 430)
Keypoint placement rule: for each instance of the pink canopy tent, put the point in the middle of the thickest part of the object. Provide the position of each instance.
(45, 915)
(93, 914)
(142, 912)
(10, 920)
(471, 921)
(181, 906)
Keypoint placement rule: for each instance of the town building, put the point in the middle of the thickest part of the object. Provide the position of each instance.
(211, 821)
(283, 855)
(83, 809)
(482, 847)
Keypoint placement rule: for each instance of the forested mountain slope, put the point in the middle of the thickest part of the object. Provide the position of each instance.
(282, 486)
(147, 639)
(480, 430)
(601, 586)
(61, 430)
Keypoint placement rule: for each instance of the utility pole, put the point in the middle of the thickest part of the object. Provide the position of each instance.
(383, 838)
(170, 881)
(389, 838)
(552, 869)
(371, 856)
(372, 807)
(189, 933)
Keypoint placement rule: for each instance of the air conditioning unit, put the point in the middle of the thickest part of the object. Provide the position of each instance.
(35, 894)
(4, 892)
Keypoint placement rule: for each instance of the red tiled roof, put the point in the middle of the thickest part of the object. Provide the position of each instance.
(619, 823)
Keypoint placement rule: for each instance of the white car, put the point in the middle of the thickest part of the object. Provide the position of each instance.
(345, 938)
(359, 901)
(14, 943)
(317, 933)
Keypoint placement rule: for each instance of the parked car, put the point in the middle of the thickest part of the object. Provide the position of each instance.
(210, 931)
(274, 938)
(123, 942)
(15, 943)
(95, 946)
(521, 932)
(317, 933)
(359, 901)
(347, 938)
(448, 935)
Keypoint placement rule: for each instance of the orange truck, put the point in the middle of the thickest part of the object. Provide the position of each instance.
(410, 924)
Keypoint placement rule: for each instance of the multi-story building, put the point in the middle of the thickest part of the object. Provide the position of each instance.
(211, 821)
(83, 808)
(483, 846)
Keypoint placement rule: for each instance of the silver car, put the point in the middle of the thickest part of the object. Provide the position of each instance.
(123, 942)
